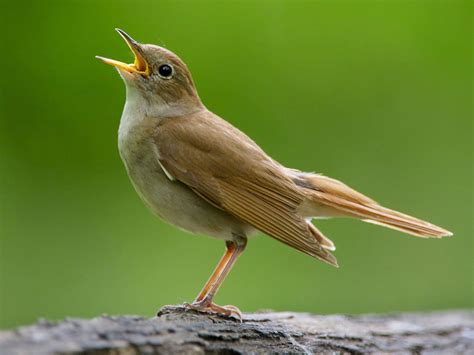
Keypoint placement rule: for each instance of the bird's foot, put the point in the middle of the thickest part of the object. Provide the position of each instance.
(212, 308)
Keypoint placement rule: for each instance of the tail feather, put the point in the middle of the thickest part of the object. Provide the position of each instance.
(325, 242)
(332, 193)
(414, 226)
(377, 214)
(400, 229)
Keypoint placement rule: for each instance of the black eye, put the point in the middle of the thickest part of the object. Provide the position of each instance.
(165, 71)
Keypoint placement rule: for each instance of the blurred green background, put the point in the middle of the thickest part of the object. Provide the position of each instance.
(375, 93)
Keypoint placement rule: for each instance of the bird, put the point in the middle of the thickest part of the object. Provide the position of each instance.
(201, 174)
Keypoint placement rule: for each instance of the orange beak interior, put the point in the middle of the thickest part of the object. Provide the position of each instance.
(139, 66)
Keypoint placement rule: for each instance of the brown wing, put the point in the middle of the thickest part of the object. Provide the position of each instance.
(228, 169)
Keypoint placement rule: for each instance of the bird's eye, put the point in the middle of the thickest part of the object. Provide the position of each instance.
(165, 71)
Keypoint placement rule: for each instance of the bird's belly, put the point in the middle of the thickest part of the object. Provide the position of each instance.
(175, 202)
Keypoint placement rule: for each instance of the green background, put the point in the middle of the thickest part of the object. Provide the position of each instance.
(377, 94)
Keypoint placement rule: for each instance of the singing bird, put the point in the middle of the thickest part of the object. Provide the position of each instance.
(198, 172)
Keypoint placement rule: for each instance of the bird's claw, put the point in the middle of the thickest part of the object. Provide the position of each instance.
(212, 308)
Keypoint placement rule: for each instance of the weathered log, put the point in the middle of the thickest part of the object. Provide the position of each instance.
(176, 330)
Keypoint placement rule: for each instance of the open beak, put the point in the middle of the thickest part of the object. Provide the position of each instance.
(139, 66)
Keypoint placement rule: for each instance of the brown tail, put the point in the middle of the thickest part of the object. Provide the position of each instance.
(341, 198)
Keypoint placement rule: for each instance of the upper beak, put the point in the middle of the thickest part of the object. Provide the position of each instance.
(139, 66)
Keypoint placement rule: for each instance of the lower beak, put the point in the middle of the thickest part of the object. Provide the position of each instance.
(139, 66)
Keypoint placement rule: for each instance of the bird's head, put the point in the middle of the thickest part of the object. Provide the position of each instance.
(158, 76)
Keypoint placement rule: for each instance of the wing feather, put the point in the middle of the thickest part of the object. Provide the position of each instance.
(226, 168)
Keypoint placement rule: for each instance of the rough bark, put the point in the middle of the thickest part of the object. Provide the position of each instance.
(176, 330)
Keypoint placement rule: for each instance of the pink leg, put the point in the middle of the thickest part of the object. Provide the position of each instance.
(203, 301)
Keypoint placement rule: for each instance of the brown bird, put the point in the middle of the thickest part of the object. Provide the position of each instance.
(200, 173)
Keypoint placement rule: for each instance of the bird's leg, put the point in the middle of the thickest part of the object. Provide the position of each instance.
(203, 302)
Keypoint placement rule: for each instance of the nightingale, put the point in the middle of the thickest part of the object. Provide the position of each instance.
(198, 172)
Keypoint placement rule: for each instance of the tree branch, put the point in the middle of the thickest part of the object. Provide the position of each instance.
(176, 330)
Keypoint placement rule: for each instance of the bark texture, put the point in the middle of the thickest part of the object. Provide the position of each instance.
(176, 330)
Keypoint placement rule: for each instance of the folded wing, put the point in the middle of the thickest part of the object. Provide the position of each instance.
(225, 167)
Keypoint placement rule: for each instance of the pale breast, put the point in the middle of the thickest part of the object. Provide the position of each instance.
(171, 200)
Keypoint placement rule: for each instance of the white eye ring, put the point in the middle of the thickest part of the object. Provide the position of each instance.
(165, 71)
